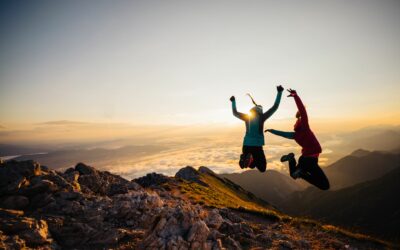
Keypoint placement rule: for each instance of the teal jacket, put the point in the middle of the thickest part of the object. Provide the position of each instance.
(255, 125)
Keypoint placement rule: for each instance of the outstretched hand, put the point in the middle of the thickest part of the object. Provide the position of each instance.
(292, 92)
(279, 88)
(232, 99)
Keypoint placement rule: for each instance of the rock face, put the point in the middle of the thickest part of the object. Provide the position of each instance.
(87, 208)
(81, 207)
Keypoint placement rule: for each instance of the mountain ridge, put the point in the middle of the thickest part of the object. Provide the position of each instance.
(84, 208)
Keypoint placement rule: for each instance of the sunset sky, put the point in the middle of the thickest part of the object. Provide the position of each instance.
(178, 62)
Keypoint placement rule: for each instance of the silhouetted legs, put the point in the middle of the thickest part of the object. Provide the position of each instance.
(309, 170)
(259, 160)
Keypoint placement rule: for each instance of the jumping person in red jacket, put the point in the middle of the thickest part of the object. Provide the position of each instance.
(308, 168)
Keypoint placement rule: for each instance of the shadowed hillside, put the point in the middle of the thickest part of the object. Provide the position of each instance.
(271, 185)
(370, 207)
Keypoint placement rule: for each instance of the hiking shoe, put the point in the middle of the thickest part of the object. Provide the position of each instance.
(245, 160)
(287, 157)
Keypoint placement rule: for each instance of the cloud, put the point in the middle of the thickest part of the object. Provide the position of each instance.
(62, 122)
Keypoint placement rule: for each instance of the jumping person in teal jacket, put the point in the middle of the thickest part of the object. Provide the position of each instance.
(252, 150)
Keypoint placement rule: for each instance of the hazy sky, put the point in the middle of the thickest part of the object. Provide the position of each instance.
(178, 62)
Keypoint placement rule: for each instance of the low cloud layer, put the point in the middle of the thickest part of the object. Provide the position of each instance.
(217, 147)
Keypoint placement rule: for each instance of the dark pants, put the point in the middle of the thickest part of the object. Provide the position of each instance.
(310, 171)
(259, 160)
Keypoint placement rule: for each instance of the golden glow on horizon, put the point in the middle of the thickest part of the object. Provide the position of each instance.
(115, 62)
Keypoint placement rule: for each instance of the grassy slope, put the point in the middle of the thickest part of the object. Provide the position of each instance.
(222, 193)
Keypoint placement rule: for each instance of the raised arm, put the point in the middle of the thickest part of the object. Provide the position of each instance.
(272, 110)
(288, 135)
(300, 106)
(239, 115)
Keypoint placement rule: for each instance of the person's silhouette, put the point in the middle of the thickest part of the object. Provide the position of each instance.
(252, 150)
(307, 168)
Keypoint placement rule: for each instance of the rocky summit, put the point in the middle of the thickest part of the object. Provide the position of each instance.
(83, 208)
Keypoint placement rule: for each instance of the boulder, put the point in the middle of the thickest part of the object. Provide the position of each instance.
(285, 245)
(102, 183)
(84, 169)
(198, 232)
(72, 177)
(190, 174)
(41, 199)
(41, 186)
(152, 179)
(231, 216)
(14, 175)
(93, 182)
(15, 202)
(117, 189)
(214, 219)
(9, 213)
(34, 232)
(230, 243)
(59, 180)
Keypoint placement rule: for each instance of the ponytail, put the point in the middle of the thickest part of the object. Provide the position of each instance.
(254, 102)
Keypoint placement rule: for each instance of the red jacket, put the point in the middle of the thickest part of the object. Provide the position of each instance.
(303, 134)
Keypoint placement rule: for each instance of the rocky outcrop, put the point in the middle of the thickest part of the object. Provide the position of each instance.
(87, 208)
(84, 208)
(17, 230)
(152, 180)
(190, 174)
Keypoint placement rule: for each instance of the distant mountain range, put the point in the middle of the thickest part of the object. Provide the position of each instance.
(61, 159)
(371, 139)
(359, 167)
(10, 150)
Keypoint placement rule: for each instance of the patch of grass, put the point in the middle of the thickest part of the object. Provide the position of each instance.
(221, 195)
(304, 222)
(357, 236)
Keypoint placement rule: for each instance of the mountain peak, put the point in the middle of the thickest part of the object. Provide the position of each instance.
(360, 152)
(84, 208)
